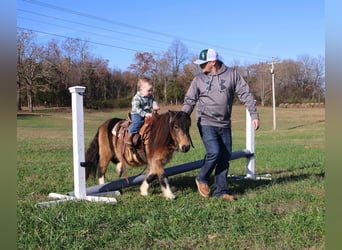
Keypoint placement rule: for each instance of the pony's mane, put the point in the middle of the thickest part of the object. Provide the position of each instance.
(160, 131)
(160, 135)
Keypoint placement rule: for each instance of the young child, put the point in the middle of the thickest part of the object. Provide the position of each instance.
(143, 104)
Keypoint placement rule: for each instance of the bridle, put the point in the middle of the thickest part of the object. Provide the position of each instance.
(172, 128)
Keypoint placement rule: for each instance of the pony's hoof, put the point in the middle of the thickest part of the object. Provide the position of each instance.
(144, 188)
(143, 193)
(171, 197)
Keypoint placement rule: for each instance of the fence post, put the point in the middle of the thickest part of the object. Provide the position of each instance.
(250, 161)
(78, 140)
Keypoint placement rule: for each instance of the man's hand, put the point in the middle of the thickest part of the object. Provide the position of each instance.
(255, 123)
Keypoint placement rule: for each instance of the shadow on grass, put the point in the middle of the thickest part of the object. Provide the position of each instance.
(235, 186)
(23, 116)
(308, 124)
(242, 185)
(27, 114)
(238, 184)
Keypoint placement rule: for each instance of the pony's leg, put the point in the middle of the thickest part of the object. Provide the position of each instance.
(146, 184)
(157, 169)
(118, 169)
(105, 157)
(102, 168)
(165, 187)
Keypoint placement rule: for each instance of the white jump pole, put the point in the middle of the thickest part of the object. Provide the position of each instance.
(250, 161)
(78, 154)
(78, 140)
(78, 147)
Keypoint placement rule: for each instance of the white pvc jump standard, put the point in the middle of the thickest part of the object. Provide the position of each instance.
(78, 154)
(250, 161)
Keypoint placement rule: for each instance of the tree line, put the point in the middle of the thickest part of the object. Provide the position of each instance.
(45, 73)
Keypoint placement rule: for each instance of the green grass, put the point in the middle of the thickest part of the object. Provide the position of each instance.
(287, 212)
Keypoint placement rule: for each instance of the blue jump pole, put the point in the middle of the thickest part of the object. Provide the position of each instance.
(135, 180)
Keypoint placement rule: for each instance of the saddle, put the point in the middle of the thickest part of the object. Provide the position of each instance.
(135, 153)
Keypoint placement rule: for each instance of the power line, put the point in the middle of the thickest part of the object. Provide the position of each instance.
(96, 17)
(83, 40)
(87, 32)
(90, 26)
(141, 28)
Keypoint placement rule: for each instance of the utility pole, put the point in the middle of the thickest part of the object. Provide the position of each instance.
(274, 60)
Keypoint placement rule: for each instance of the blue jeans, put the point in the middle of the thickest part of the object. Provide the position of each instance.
(137, 122)
(218, 144)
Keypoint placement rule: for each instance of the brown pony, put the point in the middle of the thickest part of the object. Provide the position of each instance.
(160, 136)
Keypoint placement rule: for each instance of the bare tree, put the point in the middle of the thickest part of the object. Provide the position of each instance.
(259, 78)
(29, 57)
(318, 75)
(288, 81)
(169, 67)
(162, 74)
(76, 57)
(54, 68)
(177, 54)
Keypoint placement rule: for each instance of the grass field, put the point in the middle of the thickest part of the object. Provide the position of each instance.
(287, 212)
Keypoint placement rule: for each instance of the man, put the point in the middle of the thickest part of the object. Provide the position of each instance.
(213, 91)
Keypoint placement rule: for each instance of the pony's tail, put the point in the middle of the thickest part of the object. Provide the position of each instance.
(92, 157)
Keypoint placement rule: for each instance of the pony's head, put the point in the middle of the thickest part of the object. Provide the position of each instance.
(180, 123)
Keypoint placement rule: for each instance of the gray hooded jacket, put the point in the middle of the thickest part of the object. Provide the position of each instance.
(214, 95)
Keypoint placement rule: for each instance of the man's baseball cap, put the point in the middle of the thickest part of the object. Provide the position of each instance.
(207, 55)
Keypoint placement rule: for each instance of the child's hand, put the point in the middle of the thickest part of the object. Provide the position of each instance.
(148, 115)
(155, 107)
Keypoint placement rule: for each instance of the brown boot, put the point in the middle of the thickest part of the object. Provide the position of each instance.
(203, 188)
(228, 197)
(128, 138)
